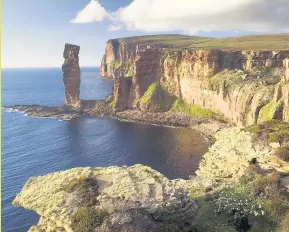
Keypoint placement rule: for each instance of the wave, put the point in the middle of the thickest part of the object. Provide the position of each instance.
(8, 110)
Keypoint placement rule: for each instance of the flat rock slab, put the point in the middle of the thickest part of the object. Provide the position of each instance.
(61, 112)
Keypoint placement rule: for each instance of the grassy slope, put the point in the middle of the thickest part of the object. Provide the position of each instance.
(179, 41)
(250, 42)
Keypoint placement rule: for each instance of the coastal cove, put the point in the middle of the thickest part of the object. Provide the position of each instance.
(36, 146)
(230, 173)
(145, 116)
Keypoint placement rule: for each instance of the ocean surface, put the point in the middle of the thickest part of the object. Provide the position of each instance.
(37, 146)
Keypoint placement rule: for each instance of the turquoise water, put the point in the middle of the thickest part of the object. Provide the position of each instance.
(37, 146)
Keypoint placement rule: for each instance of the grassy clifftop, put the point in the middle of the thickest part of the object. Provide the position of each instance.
(248, 42)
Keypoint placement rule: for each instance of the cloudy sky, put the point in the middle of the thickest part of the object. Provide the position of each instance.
(34, 31)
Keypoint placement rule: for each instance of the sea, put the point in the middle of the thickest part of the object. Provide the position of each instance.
(37, 146)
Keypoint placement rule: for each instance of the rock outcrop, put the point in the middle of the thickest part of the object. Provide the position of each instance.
(138, 198)
(230, 156)
(71, 75)
(135, 199)
(241, 85)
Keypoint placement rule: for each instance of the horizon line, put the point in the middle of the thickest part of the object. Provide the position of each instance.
(47, 67)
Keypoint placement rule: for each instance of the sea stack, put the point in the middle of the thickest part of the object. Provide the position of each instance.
(71, 75)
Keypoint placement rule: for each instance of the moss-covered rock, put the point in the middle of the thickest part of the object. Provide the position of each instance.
(226, 80)
(272, 110)
(155, 99)
(117, 64)
(109, 98)
(112, 104)
(270, 132)
(152, 89)
(180, 106)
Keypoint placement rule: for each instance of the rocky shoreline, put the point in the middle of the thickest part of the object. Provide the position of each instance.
(138, 198)
(99, 108)
(242, 182)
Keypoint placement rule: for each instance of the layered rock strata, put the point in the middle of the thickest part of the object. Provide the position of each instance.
(71, 74)
(241, 85)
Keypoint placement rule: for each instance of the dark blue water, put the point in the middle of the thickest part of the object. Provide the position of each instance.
(37, 146)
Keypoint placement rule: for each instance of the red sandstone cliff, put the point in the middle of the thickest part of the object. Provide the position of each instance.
(246, 86)
(71, 75)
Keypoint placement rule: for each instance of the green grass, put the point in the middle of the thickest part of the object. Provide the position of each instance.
(248, 42)
(128, 68)
(179, 41)
(156, 99)
(273, 131)
(205, 113)
(207, 220)
(109, 98)
(257, 197)
(149, 93)
(117, 64)
(228, 80)
(196, 192)
(270, 111)
(130, 73)
(180, 106)
(112, 104)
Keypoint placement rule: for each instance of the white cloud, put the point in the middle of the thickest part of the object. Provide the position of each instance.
(92, 12)
(191, 16)
(113, 27)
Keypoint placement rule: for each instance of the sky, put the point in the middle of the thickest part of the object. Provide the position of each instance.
(34, 31)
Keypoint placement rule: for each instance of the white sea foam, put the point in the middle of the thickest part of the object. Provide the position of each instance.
(10, 110)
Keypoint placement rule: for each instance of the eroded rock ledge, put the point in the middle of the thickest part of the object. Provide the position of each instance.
(102, 109)
(138, 198)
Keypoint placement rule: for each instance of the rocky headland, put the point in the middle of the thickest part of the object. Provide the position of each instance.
(235, 89)
(138, 198)
(245, 85)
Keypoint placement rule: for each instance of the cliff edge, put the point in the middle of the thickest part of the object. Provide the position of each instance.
(244, 78)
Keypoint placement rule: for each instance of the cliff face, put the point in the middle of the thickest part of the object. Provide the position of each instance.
(246, 86)
(71, 74)
(118, 54)
(237, 84)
